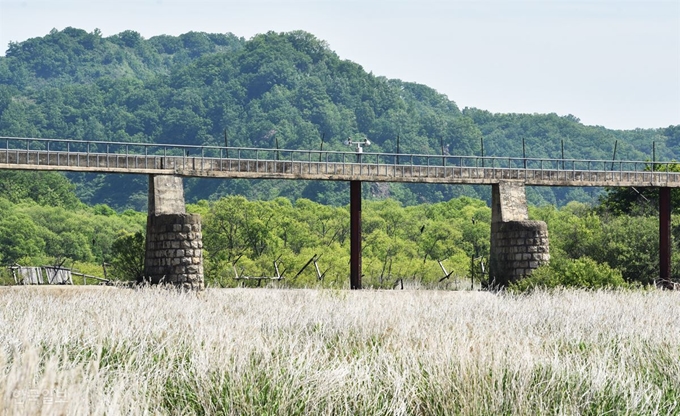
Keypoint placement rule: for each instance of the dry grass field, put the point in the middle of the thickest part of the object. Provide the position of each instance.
(283, 352)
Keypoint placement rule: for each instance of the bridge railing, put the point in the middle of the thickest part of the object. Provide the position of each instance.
(59, 146)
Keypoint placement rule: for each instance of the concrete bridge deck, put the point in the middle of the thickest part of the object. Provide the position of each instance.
(221, 162)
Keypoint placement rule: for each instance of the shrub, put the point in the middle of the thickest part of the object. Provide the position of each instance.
(128, 257)
(583, 272)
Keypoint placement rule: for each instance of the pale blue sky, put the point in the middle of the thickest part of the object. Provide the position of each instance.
(610, 63)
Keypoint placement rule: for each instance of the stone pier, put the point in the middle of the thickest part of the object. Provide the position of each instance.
(518, 245)
(174, 247)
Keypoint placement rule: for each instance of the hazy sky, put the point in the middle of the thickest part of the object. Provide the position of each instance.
(609, 63)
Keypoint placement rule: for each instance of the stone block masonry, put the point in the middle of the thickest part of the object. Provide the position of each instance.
(518, 245)
(174, 251)
(174, 243)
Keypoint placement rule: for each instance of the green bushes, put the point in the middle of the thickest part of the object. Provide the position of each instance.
(127, 256)
(398, 243)
(627, 243)
(33, 234)
(583, 272)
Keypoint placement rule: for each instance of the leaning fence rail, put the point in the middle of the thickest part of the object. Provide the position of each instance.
(31, 275)
(58, 275)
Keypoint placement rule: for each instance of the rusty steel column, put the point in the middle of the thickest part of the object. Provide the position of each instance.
(355, 234)
(665, 235)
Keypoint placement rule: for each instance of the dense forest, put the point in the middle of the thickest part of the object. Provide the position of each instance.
(288, 89)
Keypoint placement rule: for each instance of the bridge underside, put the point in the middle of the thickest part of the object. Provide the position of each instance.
(518, 245)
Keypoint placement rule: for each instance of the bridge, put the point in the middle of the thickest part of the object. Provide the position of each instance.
(253, 163)
(507, 175)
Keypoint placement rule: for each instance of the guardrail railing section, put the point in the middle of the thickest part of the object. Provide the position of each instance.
(202, 160)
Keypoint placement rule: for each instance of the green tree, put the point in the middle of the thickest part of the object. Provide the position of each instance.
(672, 134)
(20, 238)
(127, 259)
(44, 188)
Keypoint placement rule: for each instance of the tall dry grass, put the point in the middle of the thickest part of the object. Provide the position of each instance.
(286, 352)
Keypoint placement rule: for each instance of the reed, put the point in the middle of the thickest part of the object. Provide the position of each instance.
(287, 352)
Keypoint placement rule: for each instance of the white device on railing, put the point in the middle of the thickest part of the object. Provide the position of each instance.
(358, 143)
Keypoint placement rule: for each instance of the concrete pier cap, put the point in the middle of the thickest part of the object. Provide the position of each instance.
(518, 245)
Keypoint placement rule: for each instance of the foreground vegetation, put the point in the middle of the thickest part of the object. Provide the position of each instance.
(280, 352)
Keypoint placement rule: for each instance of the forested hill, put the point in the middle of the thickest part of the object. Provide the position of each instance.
(289, 88)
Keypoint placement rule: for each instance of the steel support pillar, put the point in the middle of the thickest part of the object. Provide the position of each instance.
(665, 235)
(355, 234)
